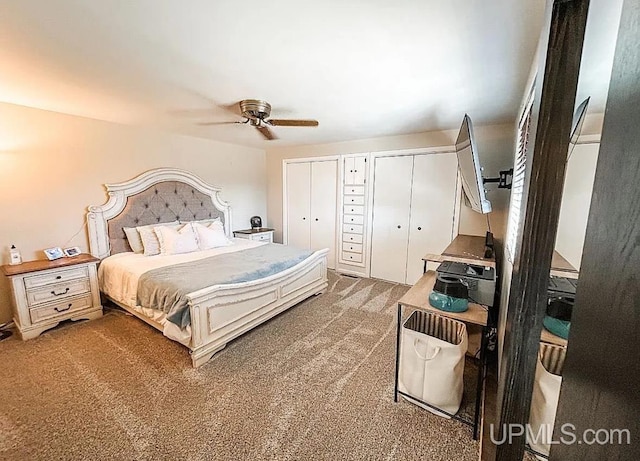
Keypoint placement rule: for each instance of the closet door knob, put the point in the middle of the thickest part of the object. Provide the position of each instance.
(399, 226)
(304, 219)
(419, 228)
(316, 219)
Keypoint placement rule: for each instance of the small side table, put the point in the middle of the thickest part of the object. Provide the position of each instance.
(261, 234)
(47, 292)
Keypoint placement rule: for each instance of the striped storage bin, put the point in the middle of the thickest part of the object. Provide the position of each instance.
(544, 398)
(432, 351)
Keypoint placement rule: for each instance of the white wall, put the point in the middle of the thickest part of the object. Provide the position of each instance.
(495, 145)
(576, 200)
(52, 166)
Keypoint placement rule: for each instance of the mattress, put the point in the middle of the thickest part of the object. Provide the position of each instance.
(118, 276)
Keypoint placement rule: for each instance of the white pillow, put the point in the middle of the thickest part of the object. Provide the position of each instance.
(150, 240)
(211, 236)
(176, 241)
(133, 235)
(204, 222)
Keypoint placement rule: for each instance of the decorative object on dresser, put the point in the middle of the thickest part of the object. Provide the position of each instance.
(219, 304)
(71, 252)
(352, 255)
(47, 292)
(262, 234)
(53, 253)
(256, 222)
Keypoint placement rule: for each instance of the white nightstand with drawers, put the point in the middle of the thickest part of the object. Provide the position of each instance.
(261, 234)
(48, 292)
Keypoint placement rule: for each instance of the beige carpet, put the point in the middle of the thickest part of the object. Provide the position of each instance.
(316, 382)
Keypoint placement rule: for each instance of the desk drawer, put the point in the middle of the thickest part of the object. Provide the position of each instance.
(35, 281)
(354, 257)
(57, 291)
(352, 238)
(60, 309)
(353, 219)
(352, 228)
(264, 237)
(354, 200)
(354, 190)
(352, 247)
(354, 209)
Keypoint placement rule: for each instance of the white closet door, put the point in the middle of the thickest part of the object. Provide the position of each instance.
(349, 174)
(432, 209)
(298, 204)
(359, 168)
(324, 184)
(390, 232)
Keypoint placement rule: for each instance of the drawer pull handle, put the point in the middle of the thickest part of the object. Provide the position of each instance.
(399, 227)
(57, 309)
(58, 277)
(60, 294)
(419, 228)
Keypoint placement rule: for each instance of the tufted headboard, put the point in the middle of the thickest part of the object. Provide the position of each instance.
(156, 196)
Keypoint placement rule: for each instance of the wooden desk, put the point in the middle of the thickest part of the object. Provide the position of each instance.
(548, 337)
(468, 249)
(418, 298)
(560, 267)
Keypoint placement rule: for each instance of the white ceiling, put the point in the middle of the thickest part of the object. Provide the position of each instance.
(363, 68)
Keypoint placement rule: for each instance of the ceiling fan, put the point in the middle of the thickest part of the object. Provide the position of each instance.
(256, 113)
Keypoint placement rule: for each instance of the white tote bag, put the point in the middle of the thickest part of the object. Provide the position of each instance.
(545, 396)
(432, 350)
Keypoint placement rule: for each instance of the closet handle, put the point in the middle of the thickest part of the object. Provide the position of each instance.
(419, 228)
(304, 219)
(316, 219)
(399, 226)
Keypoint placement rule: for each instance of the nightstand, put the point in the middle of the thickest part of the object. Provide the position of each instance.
(48, 292)
(261, 234)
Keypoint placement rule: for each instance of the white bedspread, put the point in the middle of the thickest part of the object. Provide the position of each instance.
(118, 276)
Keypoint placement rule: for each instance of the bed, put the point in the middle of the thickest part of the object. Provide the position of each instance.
(220, 311)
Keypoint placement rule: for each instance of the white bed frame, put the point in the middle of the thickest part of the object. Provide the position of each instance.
(219, 313)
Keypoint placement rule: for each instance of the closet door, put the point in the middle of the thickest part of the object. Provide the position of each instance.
(390, 232)
(433, 197)
(359, 169)
(324, 183)
(298, 204)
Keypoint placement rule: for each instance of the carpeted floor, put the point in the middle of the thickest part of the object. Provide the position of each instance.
(316, 382)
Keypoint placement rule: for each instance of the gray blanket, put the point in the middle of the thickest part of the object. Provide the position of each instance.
(166, 288)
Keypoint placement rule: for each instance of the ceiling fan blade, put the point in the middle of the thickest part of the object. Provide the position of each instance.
(266, 132)
(218, 123)
(284, 122)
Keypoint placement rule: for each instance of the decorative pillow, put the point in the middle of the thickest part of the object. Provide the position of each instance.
(133, 235)
(211, 236)
(204, 222)
(176, 241)
(150, 241)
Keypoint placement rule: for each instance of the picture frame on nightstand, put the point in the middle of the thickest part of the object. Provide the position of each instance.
(71, 252)
(54, 253)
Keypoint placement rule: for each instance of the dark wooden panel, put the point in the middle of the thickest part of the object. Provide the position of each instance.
(601, 379)
(552, 115)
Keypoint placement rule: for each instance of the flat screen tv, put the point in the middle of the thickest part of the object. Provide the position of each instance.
(578, 120)
(470, 171)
